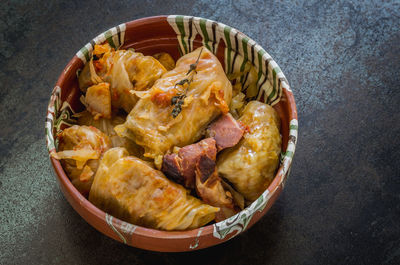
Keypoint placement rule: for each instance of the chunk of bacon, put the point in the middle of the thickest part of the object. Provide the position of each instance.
(181, 167)
(226, 131)
(211, 190)
(194, 166)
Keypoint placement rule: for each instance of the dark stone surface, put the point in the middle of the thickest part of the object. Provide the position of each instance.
(341, 204)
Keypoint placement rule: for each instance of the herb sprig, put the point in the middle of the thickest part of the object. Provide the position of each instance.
(178, 100)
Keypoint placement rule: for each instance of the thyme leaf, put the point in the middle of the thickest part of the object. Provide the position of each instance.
(182, 82)
(193, 66)
(178, 100)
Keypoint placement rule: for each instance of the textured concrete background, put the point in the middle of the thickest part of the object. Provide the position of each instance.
(341, 204)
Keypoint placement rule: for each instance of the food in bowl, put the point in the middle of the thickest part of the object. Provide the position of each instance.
(165, 145)
(252, 72)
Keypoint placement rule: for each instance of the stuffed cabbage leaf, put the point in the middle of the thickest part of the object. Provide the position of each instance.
(107, 127)
(251, 164)
(130, 189)
(208, 94)
(80, 149)
(124, 70)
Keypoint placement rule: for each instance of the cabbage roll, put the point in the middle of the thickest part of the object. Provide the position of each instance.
(107, 127)
(130, 189)
(124, 70)
(80, 149)
(251, 164)
(154, 123)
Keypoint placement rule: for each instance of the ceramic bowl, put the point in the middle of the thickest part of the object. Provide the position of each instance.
(177, 35)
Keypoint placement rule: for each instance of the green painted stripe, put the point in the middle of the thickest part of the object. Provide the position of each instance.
(203, 28)
(274, 86)
(260, 55)
(289, 154)
(275, 72)
(180, 50)
(227, 34)
(85, 52)
(293, 127)
(245, 40)
(109, 38)
(109, 222)
(181, 27)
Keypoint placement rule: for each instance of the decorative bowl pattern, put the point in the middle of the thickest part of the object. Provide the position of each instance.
(178, 35)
